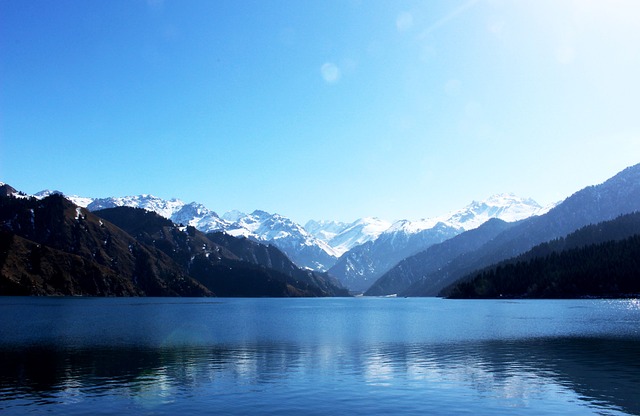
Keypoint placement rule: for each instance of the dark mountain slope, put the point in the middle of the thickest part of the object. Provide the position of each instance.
(219, 267)
(597, 260)
(271, 257)
(52, 247)
(413, 268)
(29, 268)
(610, 269)
(8, 190)
(618, 195)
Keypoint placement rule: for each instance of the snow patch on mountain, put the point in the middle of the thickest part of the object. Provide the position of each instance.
(233, 215)
(78, 200)
(162, 207)
(8, 190)
(303, 248)
(325, 230)
(200, 217)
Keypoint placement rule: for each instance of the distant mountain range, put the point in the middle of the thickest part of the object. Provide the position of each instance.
(304, 249)
(50, 246)
(410, 258)
(342, 237)
(602, 259)
(428, 272)
(360, 267)
(356, 253)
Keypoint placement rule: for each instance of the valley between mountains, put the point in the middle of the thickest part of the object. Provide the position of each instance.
(55, 244)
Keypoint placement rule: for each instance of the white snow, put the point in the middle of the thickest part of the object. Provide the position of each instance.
(233, 215)
(342, 237)
(507, 207)
(79, 201)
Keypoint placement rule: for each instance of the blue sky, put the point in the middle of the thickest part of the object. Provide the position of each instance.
(319, 109)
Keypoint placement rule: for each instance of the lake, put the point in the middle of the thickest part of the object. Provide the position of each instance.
(363, 356)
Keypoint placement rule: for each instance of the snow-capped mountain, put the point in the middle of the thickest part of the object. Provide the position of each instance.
(78, 200)
(233, 216)
(617, 196)
(342, 237)
(303, 249)
(164, 208)
(200, 217)
(361, 266)
(194, 214)
(319, 245)
(507, 207)
(300, 246)
(325, 230)
(8, 190)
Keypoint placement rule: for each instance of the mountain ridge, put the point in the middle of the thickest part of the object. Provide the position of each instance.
(616, 196)
(359, 268)
(595, 260)
(50, 246)
(319, 250)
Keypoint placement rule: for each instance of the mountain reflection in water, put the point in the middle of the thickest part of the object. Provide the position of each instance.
(318, 356)
(604, 373)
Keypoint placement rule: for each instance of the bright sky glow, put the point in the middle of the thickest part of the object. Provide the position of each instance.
(319, 109)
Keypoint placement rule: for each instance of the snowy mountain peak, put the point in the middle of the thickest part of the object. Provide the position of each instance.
(164, 208)
(342, 237)
(8, 190)
(47, 192)
(319, 243)
(507, 207)
(260, 213)
(325, 230)
(200, 217)
(302, 247)
(78, 200)
(412, 227)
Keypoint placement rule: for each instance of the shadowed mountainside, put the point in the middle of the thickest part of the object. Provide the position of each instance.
(50, 246)
(227, 265)
(600, 260)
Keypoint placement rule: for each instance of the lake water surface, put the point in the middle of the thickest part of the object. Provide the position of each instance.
(166, 356)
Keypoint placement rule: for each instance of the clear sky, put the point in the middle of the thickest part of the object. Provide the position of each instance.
(319, 109)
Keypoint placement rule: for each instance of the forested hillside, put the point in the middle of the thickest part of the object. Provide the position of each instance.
(600, 260)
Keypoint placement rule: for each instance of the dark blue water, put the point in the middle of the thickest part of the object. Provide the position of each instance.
(318, 356)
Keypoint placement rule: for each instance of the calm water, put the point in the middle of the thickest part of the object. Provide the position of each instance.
(318, 356)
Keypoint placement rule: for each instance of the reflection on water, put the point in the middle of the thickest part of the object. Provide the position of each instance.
(363, 375)
(602, 373)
